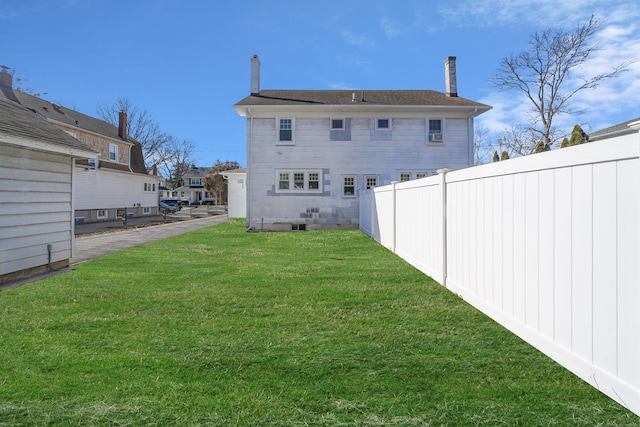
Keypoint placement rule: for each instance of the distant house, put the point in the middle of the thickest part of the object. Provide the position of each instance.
(311, 152)
(115, 179)
(237, 192)
(36, 189)
(193, 190)
(627, 129)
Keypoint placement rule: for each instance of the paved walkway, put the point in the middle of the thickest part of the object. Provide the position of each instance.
(91, 246)
(107, 239)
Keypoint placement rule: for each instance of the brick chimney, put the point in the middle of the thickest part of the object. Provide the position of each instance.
(6, 79)
(255, 75)
(122, 124)
(450, 81)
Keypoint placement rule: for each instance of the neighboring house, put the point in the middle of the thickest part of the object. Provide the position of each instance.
(237, 192)
(311, 152)
(193, 191)
(36, 189)
(115, 180)
(628, 129)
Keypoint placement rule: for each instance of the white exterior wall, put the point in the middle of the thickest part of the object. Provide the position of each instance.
(547, 245)
(363, 154)
(106, 189)
(237, 195)
(36, 209)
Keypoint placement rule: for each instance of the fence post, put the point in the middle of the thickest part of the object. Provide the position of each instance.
(443, 191)
(393, 216)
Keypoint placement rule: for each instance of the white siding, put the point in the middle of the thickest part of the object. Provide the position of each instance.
(35, 190)
(364, 153)
(105, 189)
(237, 195)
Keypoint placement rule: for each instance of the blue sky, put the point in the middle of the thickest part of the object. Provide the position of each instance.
(187, 62)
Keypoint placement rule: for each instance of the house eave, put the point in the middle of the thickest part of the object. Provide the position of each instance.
(35, 145)
(356, 109)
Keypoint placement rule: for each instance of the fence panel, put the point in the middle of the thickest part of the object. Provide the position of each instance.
(547, 245)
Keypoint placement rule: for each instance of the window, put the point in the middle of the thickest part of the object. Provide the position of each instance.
(383, 124)
(283, 181)
(371, 181)
(314, 181)
(405, 176)
(286, 130)
(102, 214)
(435, 130)
(113, 152)
(149, 187)
(146, 211)
(298, 181)
(337, 124)
(420, 175)
(349, 185)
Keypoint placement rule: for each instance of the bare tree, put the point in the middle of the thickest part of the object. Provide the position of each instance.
(141, 127)
(481, 146)
(542, 73)
(176, 160)
(216, 184)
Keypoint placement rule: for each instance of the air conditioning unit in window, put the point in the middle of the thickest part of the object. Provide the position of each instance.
(435, 137)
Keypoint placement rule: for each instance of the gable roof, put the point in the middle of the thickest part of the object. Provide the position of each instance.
(358, 98)
(72, 118)
(19, 126)
(65, 115)
(615, 130)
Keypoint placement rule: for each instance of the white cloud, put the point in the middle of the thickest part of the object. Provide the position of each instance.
(357, 39)
(391, 29)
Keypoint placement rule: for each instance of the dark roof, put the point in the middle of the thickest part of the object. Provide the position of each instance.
(615, 130)
(18, 121)
(196, 172)
(366, 97)
(62, 114)
(73, 118)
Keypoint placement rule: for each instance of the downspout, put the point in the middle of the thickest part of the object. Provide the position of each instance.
(470, 137)
(249, 167)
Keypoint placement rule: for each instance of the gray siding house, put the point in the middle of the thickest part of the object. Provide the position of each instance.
(311, 152)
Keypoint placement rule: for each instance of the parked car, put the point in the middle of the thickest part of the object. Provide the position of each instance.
(167, 207)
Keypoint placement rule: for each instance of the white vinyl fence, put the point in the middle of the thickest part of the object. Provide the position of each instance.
(547, 245)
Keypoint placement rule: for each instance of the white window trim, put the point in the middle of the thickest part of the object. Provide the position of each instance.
(355, 186)
(366, 178)
(146, 210)
(384, 129)
(403, 173)
(115, 152)
(429, 133)
(293, 131)
(336, 118)
(305, 188)
(105, 214)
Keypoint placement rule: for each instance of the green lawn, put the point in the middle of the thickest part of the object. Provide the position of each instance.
(224, 327)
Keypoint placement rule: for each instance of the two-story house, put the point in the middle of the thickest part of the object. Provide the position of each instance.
(193, 191)
(311, 152)
(115, 181)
